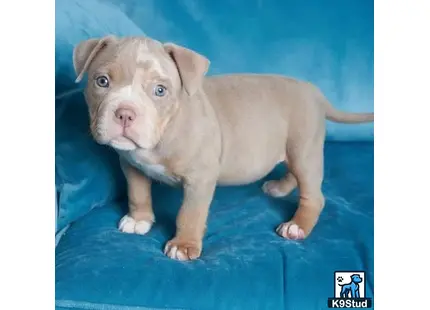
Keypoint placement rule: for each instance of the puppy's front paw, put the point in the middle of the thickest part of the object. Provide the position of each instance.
(131, 226)
(290, 230)
(183, 249)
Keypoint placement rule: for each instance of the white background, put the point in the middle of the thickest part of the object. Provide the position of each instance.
(402, 155)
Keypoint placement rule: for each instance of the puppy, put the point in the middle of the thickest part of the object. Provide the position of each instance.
(152, 103)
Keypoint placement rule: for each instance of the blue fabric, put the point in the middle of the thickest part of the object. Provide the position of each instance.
(244, 265)
(87, 175)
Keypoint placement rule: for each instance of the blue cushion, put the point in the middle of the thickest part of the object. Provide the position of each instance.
(87, 175)
(244, 265)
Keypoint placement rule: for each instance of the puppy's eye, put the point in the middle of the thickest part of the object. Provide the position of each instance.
(102, 81)
(160, 90)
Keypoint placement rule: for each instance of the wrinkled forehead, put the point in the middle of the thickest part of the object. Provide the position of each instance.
(133, 58)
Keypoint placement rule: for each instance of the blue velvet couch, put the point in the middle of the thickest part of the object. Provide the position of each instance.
(244, 264)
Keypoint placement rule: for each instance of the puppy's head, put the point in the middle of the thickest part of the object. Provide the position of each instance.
(135, 86)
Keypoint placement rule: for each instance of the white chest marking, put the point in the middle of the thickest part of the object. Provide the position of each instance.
(154, 171)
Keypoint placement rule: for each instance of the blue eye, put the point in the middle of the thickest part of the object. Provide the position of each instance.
(102, 81)
(160, 91)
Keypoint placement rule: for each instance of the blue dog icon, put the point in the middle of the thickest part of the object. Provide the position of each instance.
(351, 288)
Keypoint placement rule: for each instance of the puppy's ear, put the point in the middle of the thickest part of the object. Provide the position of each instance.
(85, 52)
(192, 66)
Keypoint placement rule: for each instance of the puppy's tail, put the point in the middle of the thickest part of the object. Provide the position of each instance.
(338, 116)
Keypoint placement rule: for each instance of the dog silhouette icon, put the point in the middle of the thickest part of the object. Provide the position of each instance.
(352, 289)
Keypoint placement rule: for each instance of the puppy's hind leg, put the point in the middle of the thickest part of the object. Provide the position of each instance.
(306, 163)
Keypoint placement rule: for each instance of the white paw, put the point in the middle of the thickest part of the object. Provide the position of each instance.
(130, 226)
(271, 188)
(290, 230)
(174, 253)
(183, 250)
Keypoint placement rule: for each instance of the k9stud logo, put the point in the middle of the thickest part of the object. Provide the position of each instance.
(349, 290)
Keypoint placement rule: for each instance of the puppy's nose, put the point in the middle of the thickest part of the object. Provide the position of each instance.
(125, 116)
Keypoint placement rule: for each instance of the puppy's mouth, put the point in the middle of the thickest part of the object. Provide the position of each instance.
(120, 140)
(128, 140)
(123, 143)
